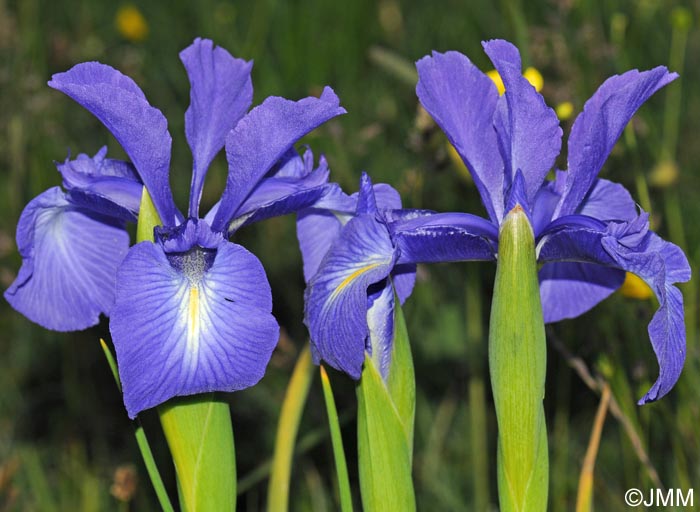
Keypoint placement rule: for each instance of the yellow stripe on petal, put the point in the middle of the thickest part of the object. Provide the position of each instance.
(635, 288)
(352, 277)
(193, 324)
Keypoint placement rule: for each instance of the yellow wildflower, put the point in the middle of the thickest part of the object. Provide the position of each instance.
(131, 24)
(664, 174)
(531, 75)
(497, 80)
(565, 110)
(535, 78)
(635, 288)
(459, 164)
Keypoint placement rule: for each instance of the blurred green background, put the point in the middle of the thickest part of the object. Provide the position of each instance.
(65, 441)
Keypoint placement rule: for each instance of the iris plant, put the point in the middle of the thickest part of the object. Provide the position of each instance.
(584, 232)
(190, 311)
(588, 230)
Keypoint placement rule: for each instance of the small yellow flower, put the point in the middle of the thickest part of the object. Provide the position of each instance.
(131, 24)
(531, 75)
(635, 288)
(664, 174)
(535, 78)
(565, 110)
(497, 80)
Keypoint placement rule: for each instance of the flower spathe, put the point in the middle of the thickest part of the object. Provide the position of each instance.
(588, 230)
(190, 312)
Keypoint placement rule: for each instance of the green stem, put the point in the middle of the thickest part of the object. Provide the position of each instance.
(517, 363)
(151, 467)
(141, 441)
(287, 428)
(341, 467)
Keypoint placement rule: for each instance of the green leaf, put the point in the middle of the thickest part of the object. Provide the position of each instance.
(341, 467)
(200, 436)
(141, 440)
(287, 428)
(517, 363)
(385, 428)
(112, 363)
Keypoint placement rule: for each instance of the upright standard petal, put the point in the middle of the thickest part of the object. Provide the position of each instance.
(598, 127)
(631, 247)
(462, 101)
(337, 296)
(221, 92)
(190, 322)
(366, 200)
(262, 137)
(140, 128)
(69, 262)
(528, 130)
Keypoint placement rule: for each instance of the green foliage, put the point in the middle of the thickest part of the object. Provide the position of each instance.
(141, 438)
(341, 467)
(287, 428)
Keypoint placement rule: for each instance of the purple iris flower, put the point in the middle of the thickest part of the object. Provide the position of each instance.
(588, 230)
(358, 250)
(191, 312)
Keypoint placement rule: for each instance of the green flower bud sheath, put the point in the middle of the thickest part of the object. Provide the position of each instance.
(517, 363)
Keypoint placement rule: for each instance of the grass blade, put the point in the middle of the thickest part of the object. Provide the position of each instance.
(141, 441)
(287, 428)
(341, 467)
(584, 500)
